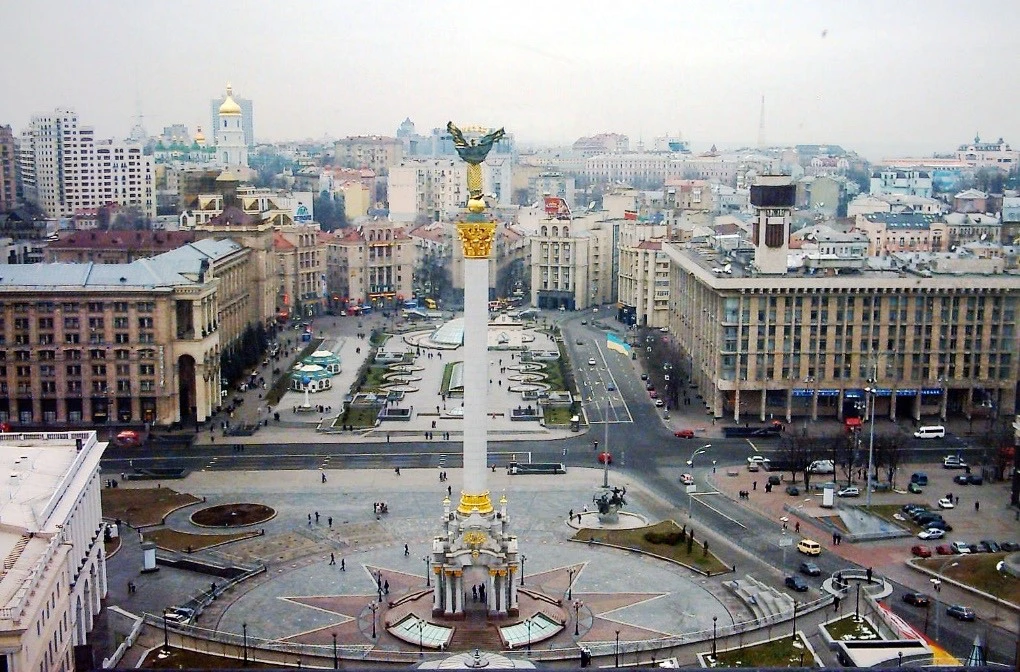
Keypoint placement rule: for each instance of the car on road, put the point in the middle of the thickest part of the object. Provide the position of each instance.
(584, 322)
(809, 547)
(684, 433)
(649, 386)
(852, 491)
(914, 488)
(610, 387)
(644, 376)
(975, 479)
(591, 361)
(944, 549)
(1009, 546)
(960, 547)
(917, 599)
(961, 479)
(653, 394)
(953, 462)
(931, 533)
(796, 583)
(810, 568)
(687, 479)
(961, 612)
(182, 615)
(580, 342)
(605, 458)
(921, 551)
(659, 403)
(946, 503)
(792, 490)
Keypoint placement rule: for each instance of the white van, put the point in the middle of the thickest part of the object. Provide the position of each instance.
(930, 432)
(822, 467)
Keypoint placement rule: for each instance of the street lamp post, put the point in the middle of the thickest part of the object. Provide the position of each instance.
(421, 638)
(166, 634)
(529, 636)
(523, 558)
(374, 607)
(570, 583)
(428, 571)
(605, 444)
(336, 659)
(617, 659)
(857, 609)
(714, 619)
(870, 391)
(244, 635)
(936, 583)
(577, 619)
(699, 451)
(793, 635)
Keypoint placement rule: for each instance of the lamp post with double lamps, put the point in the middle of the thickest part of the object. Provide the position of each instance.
(577, 617)
(244, 635)
(166, 634)
(428, 571)
(570, 583)
(699, 451)
(374, 607)
(714, 619)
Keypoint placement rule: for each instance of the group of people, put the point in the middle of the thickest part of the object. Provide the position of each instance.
(380, 507)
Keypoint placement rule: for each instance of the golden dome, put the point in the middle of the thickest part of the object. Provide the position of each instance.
(200, 136)
(229, 106)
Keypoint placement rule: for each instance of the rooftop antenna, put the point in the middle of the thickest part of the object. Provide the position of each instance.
(761, 124)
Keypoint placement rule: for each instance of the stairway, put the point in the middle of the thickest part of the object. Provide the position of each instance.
(15, 553)
(476, 632)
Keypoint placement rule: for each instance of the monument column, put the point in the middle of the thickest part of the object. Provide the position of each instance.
(476, 235)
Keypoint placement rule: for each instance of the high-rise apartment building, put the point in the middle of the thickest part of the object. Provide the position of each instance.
(65, 168)
(247, 125)
(8, 174)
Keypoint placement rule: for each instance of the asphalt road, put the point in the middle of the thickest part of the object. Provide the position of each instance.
(639, 442)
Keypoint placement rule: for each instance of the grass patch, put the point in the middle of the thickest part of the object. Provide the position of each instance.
(282, 384)
(143, 506)
(374, 379)
(557, 415)
(655, 539)
(782, 652)
(444, 388)
(172, 540)
(378, 337)
(360, 417)
(179, 659)
(554, 375)
(850, 628)
(887, 512)
(978, 571)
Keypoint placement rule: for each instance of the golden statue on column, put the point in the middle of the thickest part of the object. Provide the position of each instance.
(473, 153)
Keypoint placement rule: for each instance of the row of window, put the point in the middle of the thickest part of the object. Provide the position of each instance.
(46, 323)
(74, 306)
(75, 355)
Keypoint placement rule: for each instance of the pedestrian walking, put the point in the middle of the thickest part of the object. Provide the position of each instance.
(796, 526)
(396, 470)
(343, 565)
(869, 574)
(323, 476)
(449, 491)
(309, 519)
(406, 551)
(754, 485)
(316, 517)
(977, 506)
(332, 559)
(571, 514)
(386, 587)
(474, 593)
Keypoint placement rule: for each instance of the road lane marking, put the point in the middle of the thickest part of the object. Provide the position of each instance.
(697, 497)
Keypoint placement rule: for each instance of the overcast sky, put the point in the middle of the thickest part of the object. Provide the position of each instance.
(884, 78)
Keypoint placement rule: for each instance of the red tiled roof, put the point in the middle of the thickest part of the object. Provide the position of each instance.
(429, 232)
(650, 245)
(127, 240)
(232, 215)
(281, 243)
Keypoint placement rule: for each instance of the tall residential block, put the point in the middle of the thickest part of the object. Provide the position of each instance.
(8, 174)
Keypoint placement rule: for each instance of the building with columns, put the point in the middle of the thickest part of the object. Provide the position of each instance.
(119, 343)
(55, 579)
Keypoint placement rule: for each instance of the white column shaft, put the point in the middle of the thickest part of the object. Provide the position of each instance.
(476, 373)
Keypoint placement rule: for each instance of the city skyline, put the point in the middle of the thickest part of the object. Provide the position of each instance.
(872, 77)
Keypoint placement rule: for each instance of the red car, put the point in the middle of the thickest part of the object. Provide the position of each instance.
(684, 433)
(605, 458)
(653, 394)
(944, 549)
(921, 551)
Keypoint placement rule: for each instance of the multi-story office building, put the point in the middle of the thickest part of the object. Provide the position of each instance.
(54, 581)
(434, 188)
(644, 274)
(551, 183)
(247, 118)
(372, 264)
(122, 343)
(65, 168)
(8, 169)
(300, 252)
(369, 151)
(898, 181)
(764, 340)
(989, 154)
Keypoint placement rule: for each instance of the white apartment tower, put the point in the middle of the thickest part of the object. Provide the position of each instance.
(65, 169)
(231, 150)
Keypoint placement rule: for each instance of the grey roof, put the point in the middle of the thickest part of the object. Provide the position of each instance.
(903, 220)
(173, 268)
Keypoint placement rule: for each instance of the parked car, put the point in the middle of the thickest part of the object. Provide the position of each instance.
(960, 547)
(944, 549)
(686, 479)
(916, 599)
(852, 491)
(649, 387)
(993, 547)
(931, 533)
(962, 479)
(644, 376)
(946, 503)
(810, 568)
(684, 433)
(610, 387)
(653, 394)
(809, 547)
(591, 361)
(775, 479)
(579, 342)
(796, 583)
(921, 551)
(910, 508)
(953, 462)
(975, 479)
(961, 612)
(792, 490)
(981, 547)
(914, 488)
(939, 525)
(1009, 546)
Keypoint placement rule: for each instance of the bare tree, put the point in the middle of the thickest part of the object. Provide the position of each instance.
(888, 454)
